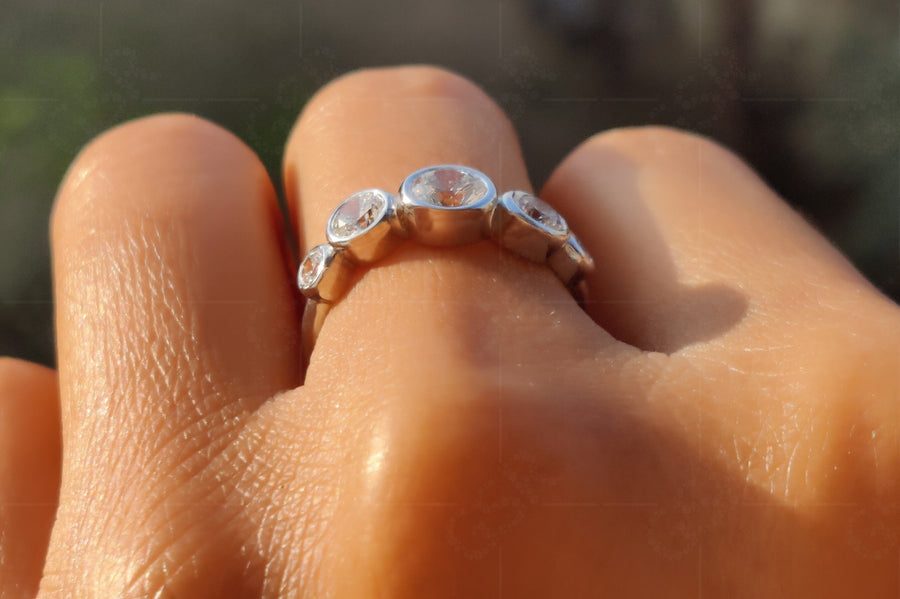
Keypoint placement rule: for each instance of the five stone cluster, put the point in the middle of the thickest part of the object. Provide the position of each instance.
(443, 205)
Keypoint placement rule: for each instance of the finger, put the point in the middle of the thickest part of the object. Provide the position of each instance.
(459, 336)
(29, 472)
(371, 129)
(175, 320)
(786, 350)
(688, 240)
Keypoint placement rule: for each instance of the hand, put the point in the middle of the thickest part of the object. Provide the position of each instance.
(721, 420)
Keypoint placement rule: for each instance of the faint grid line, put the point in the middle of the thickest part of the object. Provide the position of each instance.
(898, 355)
(700, 572)
(898, 253)
(500, 341)
(367, 99)
(200, 99)
(785, 99)
(100, 29)
(812, 504)
(499, 571)
(609, 99)
(499, 28)
(598, 504)
(699, 29)
(422, 503)
(193, 303)
(700, 385)
(413, 302)
(30, 100)
(699, 191)
(300, 30)
(500, 403)
(500, 421)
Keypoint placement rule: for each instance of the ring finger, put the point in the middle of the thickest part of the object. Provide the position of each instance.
(436, 360)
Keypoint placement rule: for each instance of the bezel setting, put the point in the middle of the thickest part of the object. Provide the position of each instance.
(323, 274)
(447, 205)
(570, 261)
(528, 226)
(369, 235)
(444, 205)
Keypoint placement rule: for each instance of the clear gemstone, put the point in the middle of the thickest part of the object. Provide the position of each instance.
(356, 214)
(540, 212)
(312, 267)
(448, 187)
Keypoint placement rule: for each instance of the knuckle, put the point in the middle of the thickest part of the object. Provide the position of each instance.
(435, 82)
(9, 369)
(659, 143)
(411, 82)
(186, 543)
(160, 151)
(16, 375)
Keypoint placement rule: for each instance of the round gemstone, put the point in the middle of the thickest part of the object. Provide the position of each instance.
(540, 213)
(313, 266)
(356, 214)
(449, 187)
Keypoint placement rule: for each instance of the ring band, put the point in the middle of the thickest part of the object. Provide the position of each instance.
(444, 205)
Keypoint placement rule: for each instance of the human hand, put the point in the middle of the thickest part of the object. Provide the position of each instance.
(721, 419)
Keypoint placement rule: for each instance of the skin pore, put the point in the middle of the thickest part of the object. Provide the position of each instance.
(720, 420)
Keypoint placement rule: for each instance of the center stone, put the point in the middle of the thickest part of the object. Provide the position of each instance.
(448, 187)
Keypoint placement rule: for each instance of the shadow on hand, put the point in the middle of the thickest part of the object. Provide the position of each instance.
(576, 496)
(636, 294)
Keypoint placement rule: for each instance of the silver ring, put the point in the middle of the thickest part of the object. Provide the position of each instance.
(444, 205)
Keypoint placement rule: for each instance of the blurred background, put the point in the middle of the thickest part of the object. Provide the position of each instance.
(806, 90)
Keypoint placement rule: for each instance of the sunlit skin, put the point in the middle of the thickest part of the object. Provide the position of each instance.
(720, 420)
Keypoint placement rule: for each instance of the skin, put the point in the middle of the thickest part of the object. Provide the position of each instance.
(720, 421)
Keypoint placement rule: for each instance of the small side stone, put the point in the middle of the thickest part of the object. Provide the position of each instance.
(541, 213)
(356, 214)
(312, 267)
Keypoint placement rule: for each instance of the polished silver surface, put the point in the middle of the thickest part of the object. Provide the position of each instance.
(314, 314)
(570, 261)
(528, 226)
(444, 205)
(447, 205)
